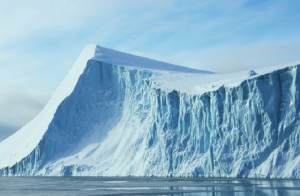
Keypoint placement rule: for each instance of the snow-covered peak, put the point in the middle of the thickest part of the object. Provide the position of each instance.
(136, 62)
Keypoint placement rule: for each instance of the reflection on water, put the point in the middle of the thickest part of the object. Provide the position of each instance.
(73, 186)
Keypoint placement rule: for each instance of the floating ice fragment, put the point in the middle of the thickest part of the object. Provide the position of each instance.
(251, 73)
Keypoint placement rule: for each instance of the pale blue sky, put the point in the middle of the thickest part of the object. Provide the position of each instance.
(40, 40)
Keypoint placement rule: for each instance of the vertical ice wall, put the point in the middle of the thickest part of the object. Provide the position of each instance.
(116, 123)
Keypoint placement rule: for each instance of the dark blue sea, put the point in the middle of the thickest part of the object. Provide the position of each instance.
(73, 186)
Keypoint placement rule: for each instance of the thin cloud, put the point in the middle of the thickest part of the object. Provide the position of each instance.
(6, 131)
(19, 107)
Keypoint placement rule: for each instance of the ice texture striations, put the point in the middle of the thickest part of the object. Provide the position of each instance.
(116, 114)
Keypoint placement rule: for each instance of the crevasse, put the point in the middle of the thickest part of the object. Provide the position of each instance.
(117, 122)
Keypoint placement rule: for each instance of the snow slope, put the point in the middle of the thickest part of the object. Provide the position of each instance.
(119, 114)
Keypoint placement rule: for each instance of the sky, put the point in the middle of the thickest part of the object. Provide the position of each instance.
(40, 40)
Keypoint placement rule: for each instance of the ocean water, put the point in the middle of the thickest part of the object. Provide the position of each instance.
(75, 186)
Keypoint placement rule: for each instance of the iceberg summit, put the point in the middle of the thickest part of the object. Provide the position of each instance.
(117, 114)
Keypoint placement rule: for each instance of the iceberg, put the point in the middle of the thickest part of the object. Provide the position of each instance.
(117, 114)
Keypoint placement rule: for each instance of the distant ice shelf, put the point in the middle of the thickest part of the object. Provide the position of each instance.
(117, 114)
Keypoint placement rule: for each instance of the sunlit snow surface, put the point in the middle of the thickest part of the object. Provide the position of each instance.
(88, 186)
(116, 114)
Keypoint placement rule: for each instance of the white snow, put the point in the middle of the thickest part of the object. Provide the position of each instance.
(119, 114)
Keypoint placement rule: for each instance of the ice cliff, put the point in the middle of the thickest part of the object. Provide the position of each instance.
(116, 114)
